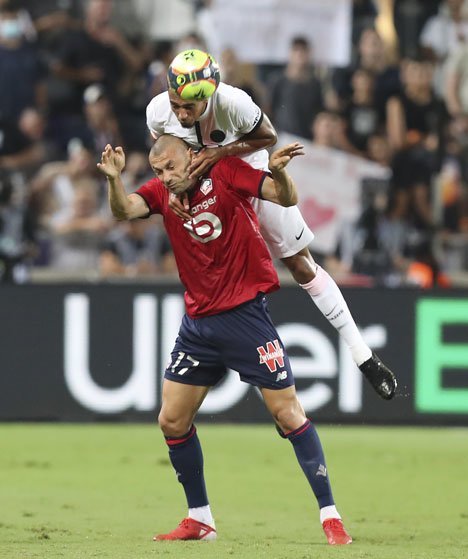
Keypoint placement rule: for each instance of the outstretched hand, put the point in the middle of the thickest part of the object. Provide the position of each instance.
(281, 157)
(112, 162)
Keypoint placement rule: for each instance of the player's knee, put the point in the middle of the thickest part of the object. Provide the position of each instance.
(301, 268)
(289, 418)
(172, 426)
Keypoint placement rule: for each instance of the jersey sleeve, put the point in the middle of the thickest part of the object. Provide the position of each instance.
(242, 177)
(152, 193)
(154, 120)
(246, 115)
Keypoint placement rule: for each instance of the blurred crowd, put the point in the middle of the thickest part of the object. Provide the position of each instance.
(78, 74)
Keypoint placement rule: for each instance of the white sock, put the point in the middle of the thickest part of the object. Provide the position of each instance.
(202, 514)
(328, 512)
(329, 300)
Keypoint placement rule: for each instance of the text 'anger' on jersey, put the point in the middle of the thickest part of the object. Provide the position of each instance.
(224, 229)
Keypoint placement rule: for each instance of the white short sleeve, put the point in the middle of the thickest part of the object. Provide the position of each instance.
(155, 115)
(245, 115)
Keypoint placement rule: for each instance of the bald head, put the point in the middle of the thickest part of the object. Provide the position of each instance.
(170, 158)
(165, 142)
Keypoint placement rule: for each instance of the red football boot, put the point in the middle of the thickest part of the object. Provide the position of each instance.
(189, 529)
(335, 532)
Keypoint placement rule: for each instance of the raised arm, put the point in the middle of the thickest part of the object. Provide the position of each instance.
(122, 206)
(262, 136)
(280, 188)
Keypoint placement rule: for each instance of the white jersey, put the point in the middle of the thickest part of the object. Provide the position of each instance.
(229, 115)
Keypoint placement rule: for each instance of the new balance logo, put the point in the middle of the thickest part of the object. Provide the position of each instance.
(282, 376)
(322, 471)
(271, 356)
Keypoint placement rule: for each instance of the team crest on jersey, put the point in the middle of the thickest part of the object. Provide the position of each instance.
(206, 186)
(271, 356)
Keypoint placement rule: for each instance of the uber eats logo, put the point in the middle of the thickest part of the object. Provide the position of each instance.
(442, 356)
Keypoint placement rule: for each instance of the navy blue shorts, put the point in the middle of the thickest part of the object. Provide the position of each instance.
(244, 339)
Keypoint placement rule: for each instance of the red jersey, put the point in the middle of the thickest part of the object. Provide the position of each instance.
(223, 260)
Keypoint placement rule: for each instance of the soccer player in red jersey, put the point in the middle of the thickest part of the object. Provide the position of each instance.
(230, 123)
(226, 269)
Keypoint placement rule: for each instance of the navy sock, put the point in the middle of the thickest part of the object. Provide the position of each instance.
(308, 449)
(186, 456)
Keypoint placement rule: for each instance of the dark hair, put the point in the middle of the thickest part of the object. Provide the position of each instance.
(10, 6)
(300, 41)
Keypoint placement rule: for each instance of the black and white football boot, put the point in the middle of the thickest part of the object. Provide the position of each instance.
(382, 379)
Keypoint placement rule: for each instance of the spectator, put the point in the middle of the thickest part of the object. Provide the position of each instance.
(447, 30)
(33, 125)
(17, 152)
(409, 18)
(391, 246)
(364, 14)
(77, 240)
(52, 18)
(372, 58)
(157, 70)
(136, 171)
(136, 248)
(98, 53)
(20, 66)
(378, 150)
(239, 75)
(53, 188)
(443, 34)
(329, 130)
(16, 230)
(190, 41)
(102, 126)
(296, 94)
(361, 114)
(456, 84)
(413, 116)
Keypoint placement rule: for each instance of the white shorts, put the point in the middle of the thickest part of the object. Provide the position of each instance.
(284, 229)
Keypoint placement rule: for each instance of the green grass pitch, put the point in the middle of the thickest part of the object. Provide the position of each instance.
(85, 491)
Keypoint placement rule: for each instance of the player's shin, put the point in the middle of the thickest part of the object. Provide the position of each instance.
(309, 453)
(308, 449)
(330, 301)
(186, 457)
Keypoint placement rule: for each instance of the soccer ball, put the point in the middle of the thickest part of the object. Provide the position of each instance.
(193, 75)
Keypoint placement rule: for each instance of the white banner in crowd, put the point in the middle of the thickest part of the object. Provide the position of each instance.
(329, 183)
(260, 31)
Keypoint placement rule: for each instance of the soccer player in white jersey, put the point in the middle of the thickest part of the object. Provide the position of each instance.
(230, 123)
